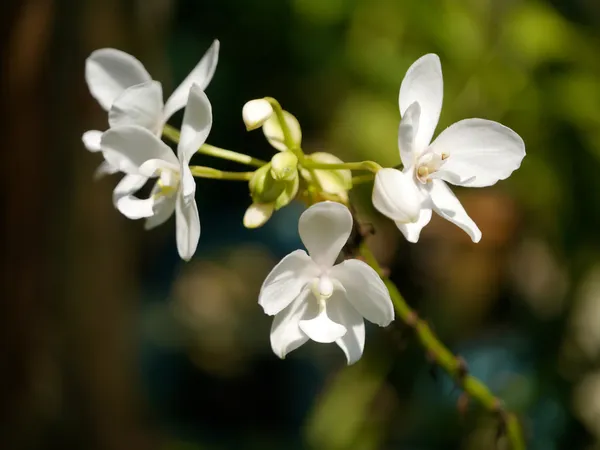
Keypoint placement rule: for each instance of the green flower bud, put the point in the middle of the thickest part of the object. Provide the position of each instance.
(274, 133)
(256, 112)
(335, 182)
(284, 166)
(258, 214)
(288, 194)
(263, 187)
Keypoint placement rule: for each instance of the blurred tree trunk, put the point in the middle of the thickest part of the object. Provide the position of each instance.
(67, 323)
(29, 376)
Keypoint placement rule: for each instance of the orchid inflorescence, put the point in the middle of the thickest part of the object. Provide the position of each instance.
(309, 295)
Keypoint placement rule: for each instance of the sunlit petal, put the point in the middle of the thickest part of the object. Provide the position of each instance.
(365, 291)
(108, 72)
(479, 151)
(448, 206)
(285, 281)
(201, 75)
(324, 229)
(141, 105)
(423, 83)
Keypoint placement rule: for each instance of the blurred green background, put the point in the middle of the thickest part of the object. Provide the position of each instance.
(109, 341)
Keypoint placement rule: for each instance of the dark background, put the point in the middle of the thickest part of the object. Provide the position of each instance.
(109, 341)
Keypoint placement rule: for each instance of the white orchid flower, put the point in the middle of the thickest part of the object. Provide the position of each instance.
(140, 154)
(126, 90)
(311, 298)
(470, 153)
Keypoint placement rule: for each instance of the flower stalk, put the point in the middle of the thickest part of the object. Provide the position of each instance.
(370, 166)
(444, 358)
(172, 134)
(209, 172)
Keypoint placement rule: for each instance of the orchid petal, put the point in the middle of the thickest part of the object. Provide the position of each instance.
(396, 195)
(130, 206)
(91, 140)
(187, 227)
(407, 131)
(196, 125)
(480, 152)
(163, 209)
(324, 229)
(412, 231)
(140, 105)
(286, 335)
(423, 83)
(285, 281)
(108, 72)
(320, 328)
(448, 206)
(105, 168)
(201, 75)
(188, 183)
(341, 311)
(365, 291)
(129, 146)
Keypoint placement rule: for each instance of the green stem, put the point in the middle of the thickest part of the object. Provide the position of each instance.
(230, 155)
(363, 165)
(454, 366)
(173, 135)
(209, 172)
(362, 179)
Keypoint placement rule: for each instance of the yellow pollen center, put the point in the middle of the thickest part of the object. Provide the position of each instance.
(422, 172)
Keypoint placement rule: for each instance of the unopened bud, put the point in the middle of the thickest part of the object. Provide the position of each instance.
(274, 133)
(263, 187)
(335, 182)
(258, 214)
(289, 193)
(284, 166)
(255, 113)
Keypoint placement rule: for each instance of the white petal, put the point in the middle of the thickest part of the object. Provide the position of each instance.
(130, 206)
(409, 126)
(285, 281)
(91, 140)
(187, 227)
(412, 231)
(163, 208)
(480, 152)
(201, 75)
(197, 122)
(365, 291)
(105, 168)
(108, 72)
(141, 105)
(274, 133)
(286, 335)
(129, 146)
(257, 214)
(320, 328)
(423, 83)
(324, 229)
(341, 311)
(448, 206)
(255, 113)
(396, 195)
